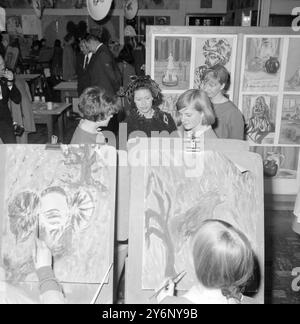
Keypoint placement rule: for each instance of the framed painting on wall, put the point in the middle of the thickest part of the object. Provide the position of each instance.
(292, 76)
(279, 162)
(171, 62)
(204, 20)
(260, 112)
(290, 121)
(212, 50)
(262, 63)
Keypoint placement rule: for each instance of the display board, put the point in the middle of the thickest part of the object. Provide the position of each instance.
(65, 197)
(265, 84)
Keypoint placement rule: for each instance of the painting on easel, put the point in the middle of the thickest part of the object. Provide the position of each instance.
(63, 196)
(176, 205)
(172, 62)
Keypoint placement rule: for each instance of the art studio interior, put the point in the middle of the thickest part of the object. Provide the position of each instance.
(149, 152)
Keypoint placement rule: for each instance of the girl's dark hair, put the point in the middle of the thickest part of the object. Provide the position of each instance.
(220, 73)
(144, 82)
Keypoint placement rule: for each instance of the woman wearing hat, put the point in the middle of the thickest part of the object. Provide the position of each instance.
(144, 96)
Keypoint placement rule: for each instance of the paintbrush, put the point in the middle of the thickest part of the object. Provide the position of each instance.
(175, 280)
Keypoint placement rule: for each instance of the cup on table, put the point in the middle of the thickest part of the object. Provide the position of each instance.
(49, 105)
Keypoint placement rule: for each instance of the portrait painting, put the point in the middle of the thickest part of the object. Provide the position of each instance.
(260, 112)
(213, 50)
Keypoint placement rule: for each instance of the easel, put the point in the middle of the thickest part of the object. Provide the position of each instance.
(79, 292)
(134, 268)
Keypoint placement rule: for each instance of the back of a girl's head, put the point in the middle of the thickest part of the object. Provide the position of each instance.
(223, 258)
(95, 105)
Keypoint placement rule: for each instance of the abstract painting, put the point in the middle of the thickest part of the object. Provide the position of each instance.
(176, 205)
(260, 113)
(279, 162)
(290, 120)
(172, 62)
(64, 197)
(212, 50)
(262, 63)
(292, 77)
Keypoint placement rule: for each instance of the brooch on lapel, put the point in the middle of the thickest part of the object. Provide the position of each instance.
(166, 120)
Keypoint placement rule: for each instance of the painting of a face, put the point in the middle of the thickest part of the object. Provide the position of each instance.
(212, 59)
(54, 214)
(259, 110)
(190, 118)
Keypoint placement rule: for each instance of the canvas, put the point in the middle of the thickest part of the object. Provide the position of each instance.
(212, 50)
(176, 205)
(290, 120)
(66, 198)
(292, 76)
(262, 63)
(260, 112)
(172, 63)
(279, 162)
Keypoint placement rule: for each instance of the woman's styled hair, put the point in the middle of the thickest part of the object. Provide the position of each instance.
(220, 73)
(95, 105)
(223, 258)
(144, 82)
(200, 102)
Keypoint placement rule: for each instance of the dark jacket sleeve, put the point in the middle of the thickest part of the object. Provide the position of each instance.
(15, 95)
(106, 73)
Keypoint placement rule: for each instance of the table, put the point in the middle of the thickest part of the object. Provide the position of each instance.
(44, 116)
(67, 89)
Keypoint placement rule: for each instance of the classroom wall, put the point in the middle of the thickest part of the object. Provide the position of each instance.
(53, 23)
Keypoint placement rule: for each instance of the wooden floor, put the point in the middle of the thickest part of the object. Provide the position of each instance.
(282, 256)
(282, 245)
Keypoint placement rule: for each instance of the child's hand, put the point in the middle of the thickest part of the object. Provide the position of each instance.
(42, 256)
(166, 292)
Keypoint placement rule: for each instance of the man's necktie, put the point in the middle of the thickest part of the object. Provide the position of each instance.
(86, 62)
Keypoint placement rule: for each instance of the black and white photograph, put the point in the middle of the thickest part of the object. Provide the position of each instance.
(149, 155)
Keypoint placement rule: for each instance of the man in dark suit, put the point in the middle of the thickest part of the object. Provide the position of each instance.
(83, 61)
(101, 71)
(8, 91)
